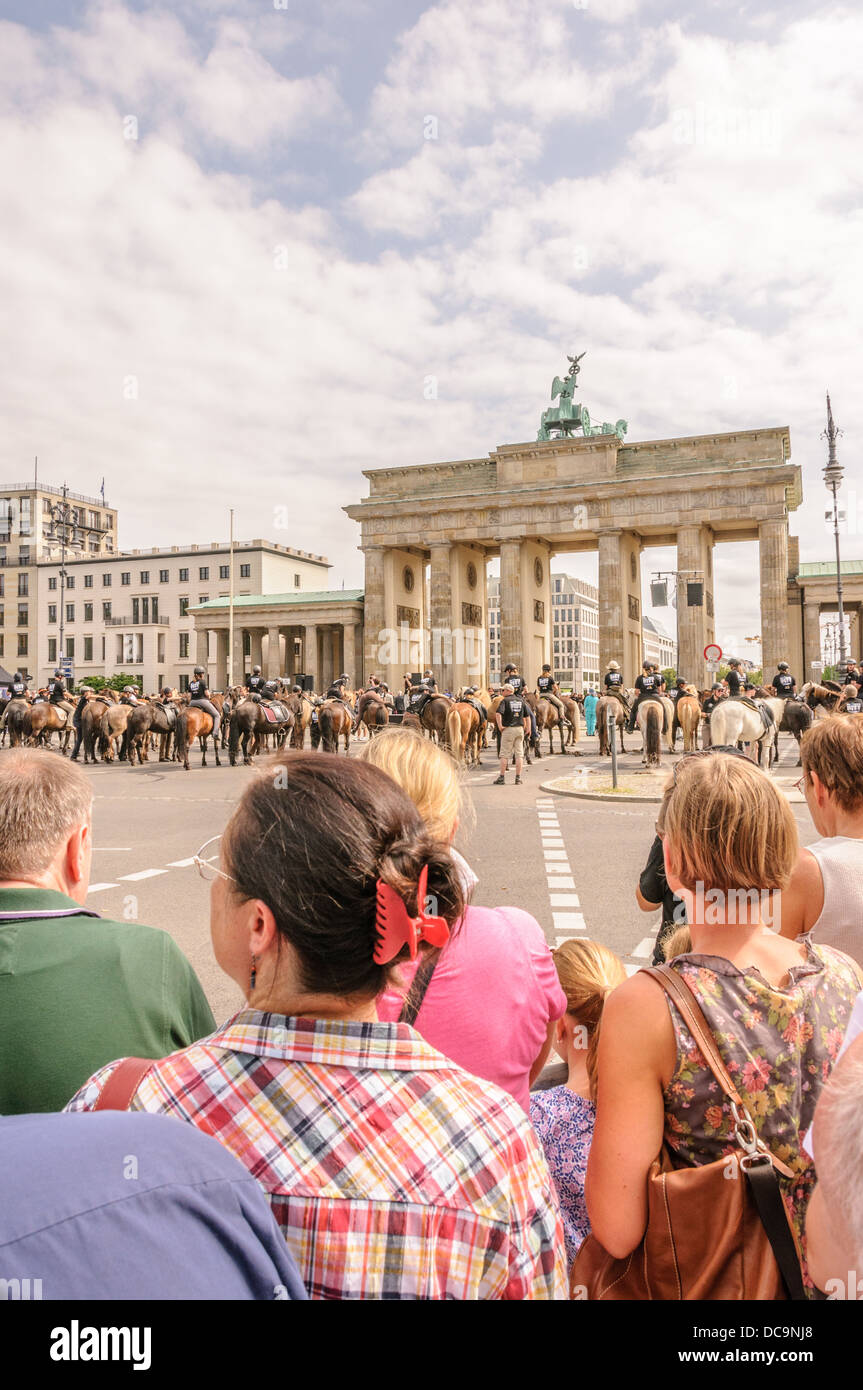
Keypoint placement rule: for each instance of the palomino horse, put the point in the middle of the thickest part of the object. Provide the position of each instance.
(249, 724)
(687, 713)
(649, 721)
(334, 722)
(824, 697)
(603, 705)
(45, 719)
(194, 723)
(734, 721)
(464, 725)
(301, 707)
(372, 712)
(112, 729)
(548, 717)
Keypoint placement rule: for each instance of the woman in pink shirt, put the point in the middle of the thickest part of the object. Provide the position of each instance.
(497, 957)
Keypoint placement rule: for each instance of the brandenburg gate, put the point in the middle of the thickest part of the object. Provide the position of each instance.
(527, 502)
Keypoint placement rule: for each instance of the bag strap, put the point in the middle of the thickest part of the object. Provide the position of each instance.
(764, 1186)
(417, 992)
(118, 1090)
(683, 996)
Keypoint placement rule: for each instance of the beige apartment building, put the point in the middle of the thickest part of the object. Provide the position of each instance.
(130, 611)
(31, 524)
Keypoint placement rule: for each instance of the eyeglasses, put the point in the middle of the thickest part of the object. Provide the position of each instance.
(728, 749)
(208, 865)
(801, 784)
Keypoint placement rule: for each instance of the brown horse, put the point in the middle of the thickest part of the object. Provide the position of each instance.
(603, 705)
(334, 722)
(15, 716)
(372, 712)
(434, 716)
(548, 717)
(44, 719)
(250, 725)
(194, 723)
(144, 720)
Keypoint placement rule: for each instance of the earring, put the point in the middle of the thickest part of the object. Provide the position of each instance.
(253, 974)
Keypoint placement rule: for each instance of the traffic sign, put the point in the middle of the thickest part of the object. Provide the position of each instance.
(712, 652)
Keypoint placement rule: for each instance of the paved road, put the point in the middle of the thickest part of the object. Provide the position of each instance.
(572, 863)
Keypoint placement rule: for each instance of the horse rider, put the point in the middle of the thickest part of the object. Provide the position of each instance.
(519, 684)
(716, 696)
(679, 686)
(783, 682)
(129, 696)
(58, 694)
(83, 695)
(255, 683)
(18, 687)
(470, 698)
(200, 697)
(614, 684)
(546, 686)
(422, 693)
(511, 718)
(648, 687)
(852, 673)
(734, 679)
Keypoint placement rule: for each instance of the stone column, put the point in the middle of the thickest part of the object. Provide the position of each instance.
(441, 618)
(691, 624)
(811, 641)
(256, 657)
(273, 653)
(511, 637)
(350, 654)
(611, 600)
(773, 555)
(238, 674)
(221, 658)
(310, 653)
(327, 672)
(202, 647)
(375, 619)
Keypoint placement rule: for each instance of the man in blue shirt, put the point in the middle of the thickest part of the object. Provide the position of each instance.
(133, 1206)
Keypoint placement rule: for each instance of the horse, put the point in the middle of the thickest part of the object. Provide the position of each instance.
(549, 717)
(44, 719)
(603, 705)
(113, 731)
(249, 724)
(825, 696)
(687, 713)
(734, 720)
(649, 720)
(668, 721)
(433, 718)
(15, 715)
(372, 712)
(301, 707)
(147, 719)
(194, 723)
(334, 722)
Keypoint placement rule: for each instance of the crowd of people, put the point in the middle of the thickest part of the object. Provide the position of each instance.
(383, 1117)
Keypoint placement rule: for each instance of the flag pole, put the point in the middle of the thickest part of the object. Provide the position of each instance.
(231, 604)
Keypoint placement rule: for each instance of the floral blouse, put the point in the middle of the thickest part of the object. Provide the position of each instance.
(564, 1123)
(779, 1045)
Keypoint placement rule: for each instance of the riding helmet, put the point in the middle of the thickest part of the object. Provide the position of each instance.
(783, 666)
(199, 670)
(256, 670)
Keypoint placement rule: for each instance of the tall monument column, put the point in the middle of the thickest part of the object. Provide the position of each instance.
(221, 658)
(695, 624)
(773, 556)
(375, 619)
(440, 614)
(811, 641)
(273, 653)
(202, 647)
(350, 654)
(310, 653)
(511, 638)
(620, 637)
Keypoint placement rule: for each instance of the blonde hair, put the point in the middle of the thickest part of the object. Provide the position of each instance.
(679, 943)
(588, 972)
(728, 827)
(429, 776)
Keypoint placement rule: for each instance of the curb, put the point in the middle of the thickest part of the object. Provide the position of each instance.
(624, 798)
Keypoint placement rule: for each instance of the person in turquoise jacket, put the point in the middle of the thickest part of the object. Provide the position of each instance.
(590, 703)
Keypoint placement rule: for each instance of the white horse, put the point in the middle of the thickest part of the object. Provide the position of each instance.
(733, 721)
(668, 706)
(649, 721)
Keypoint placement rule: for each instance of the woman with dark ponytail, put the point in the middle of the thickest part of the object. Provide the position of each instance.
(391, 1172)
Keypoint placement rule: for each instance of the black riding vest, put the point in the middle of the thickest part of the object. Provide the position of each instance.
(58, 692)
(783, 681)
(517, 683)
(197, 689)
(544, 682)
(613, 678)
(18, 689)
(256, 683)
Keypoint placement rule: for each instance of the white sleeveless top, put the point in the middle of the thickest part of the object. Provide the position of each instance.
(840, 859)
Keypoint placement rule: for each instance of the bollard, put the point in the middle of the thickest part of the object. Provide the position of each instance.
(612, 736)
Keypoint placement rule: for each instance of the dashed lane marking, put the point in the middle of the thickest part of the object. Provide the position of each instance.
(643, 949)
(564, 899)
(565, 922)
(141, 874)
(100, 887)
(180, 863)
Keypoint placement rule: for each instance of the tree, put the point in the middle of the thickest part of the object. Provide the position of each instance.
(117, 682)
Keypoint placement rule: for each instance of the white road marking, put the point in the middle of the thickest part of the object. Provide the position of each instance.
(568, 921)
(143, 873)
(564, 899)
(631, 969)
(552, 842)
(565, 881)
(100, 887)
(112, 849)
(554, 854)
(643, 949)
(180, 863)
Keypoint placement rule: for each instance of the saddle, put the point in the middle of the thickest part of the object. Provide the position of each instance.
(170, 715)
(480, 708)
(274, 711)
(764, 710)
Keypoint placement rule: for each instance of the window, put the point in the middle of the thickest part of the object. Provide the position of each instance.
(204, 572)
(88, 612)
(145, 576)
(204, 598)
(70, 612)
(88, 581)
(184, 576)
(106, 581)
(23, 585)
(126, 577)
(22, 615)
(22, 644)
(70, 647)
(2, 585)
(70, 581)
(106, 612)
(184, 607)
(52, 613)
(184, 683)
(52, 651)
(184, 646)
(224, 571)
(298, 581)
(155, 602)
(88, 648)
(245, 571)
(164, 576)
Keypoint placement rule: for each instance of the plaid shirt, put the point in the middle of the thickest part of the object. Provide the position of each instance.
(392, 1172)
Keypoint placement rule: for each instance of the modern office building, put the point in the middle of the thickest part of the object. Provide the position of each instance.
(574, 633)
(658, 645)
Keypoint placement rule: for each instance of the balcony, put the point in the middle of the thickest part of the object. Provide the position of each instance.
(137, 622)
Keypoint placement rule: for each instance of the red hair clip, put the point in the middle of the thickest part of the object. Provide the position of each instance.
(396, 929)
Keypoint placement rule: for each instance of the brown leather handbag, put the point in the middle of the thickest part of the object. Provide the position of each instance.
(718, 1231)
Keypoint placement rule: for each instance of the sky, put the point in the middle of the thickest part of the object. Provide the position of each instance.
(252, 247)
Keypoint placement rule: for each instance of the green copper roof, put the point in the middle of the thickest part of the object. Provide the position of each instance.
(298, 596)
(828, 567)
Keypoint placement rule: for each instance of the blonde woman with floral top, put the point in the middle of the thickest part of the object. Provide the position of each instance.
(778, 1009)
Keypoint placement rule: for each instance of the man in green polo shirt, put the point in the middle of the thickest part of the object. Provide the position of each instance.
(76, 990)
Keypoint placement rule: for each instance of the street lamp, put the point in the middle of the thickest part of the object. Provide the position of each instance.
(833, 479)
(64, 523)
